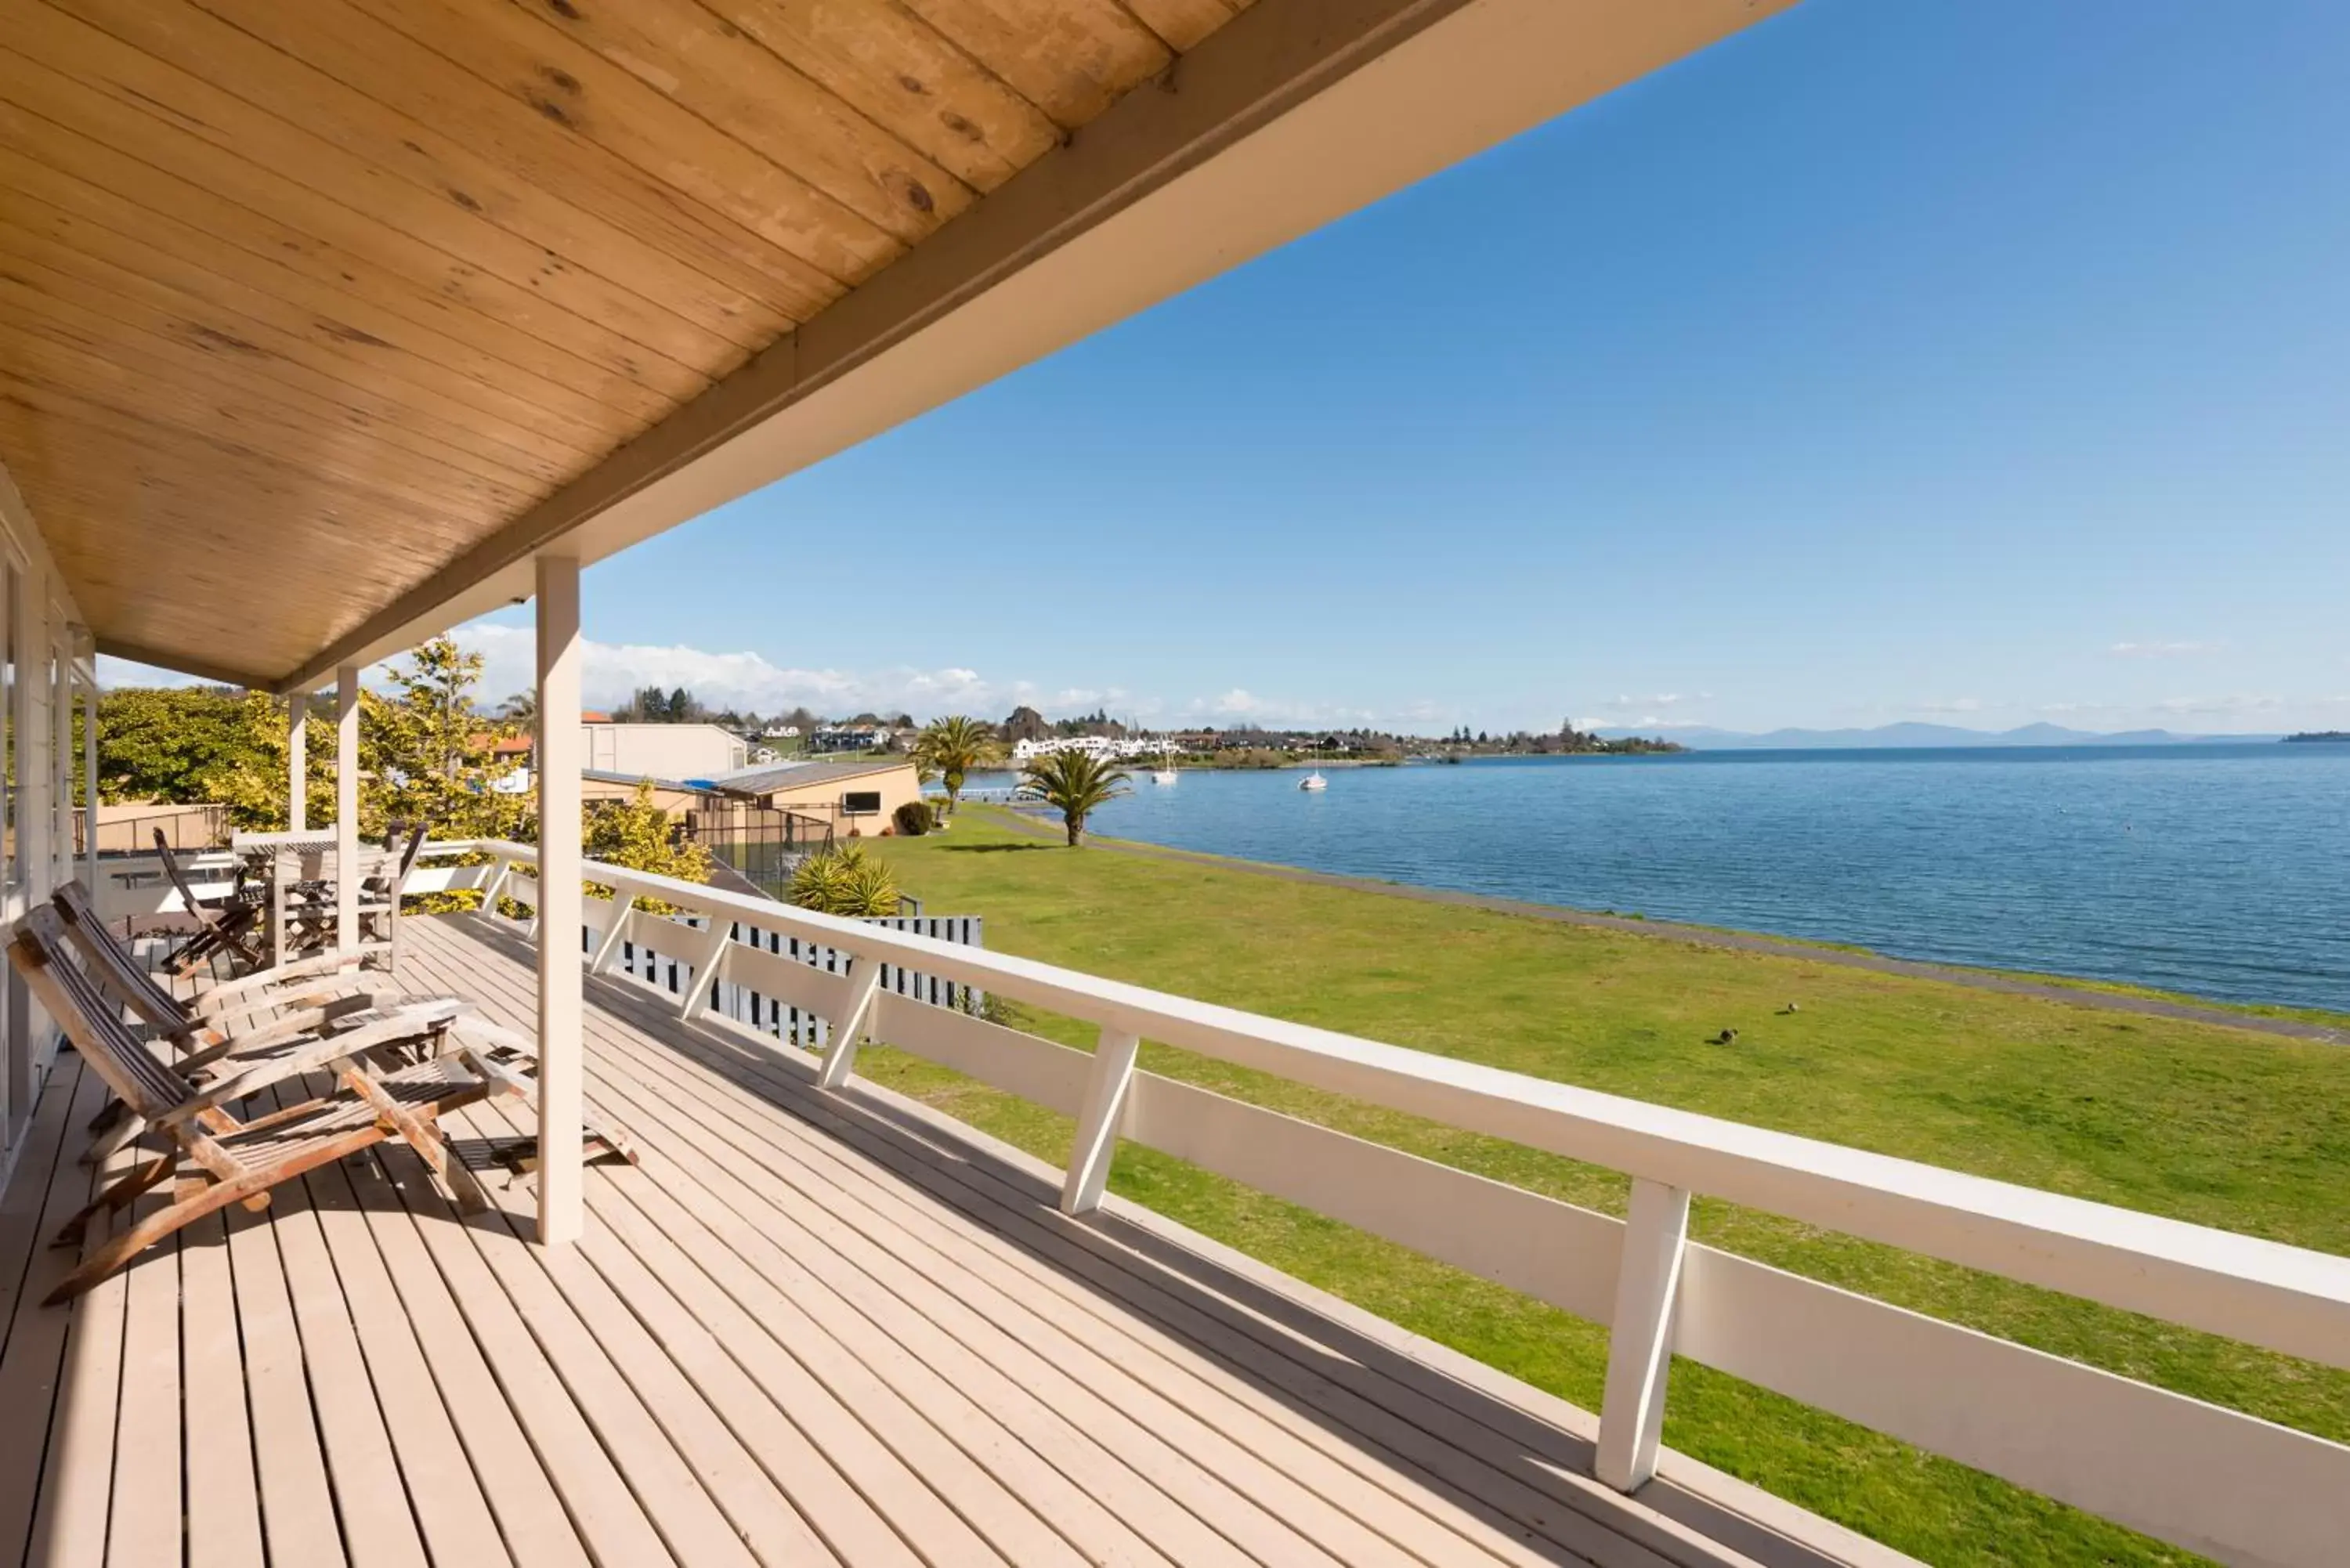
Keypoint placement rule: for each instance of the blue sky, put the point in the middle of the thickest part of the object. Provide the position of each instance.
(1984, 363)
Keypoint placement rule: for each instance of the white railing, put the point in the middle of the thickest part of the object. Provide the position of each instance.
(2206, 1478)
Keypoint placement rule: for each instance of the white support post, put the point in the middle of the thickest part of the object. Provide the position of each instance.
(89, 780)
(562, 909)
(1640, 1340)
(610, 947)
(864, 984)
(707, 964)
(497, 884)
(298, 761)
(347, 807)
(1097, 1143)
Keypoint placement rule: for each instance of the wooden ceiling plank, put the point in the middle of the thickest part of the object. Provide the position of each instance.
(886, 63)
(586, 362)
(226, 413)
(222, 309)
(147, 517)
(725, 127)
(463, 124)
(315, 489)
(201, 668)
(161, 247)
(1180, 23)
(140, 339)
(158, 311)
(403, 228)
(376, 148)
(1072, 58)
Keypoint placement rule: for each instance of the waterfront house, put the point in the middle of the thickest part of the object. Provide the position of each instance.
(328, 327)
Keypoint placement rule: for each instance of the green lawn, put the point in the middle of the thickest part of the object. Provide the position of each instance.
(2208, 1124)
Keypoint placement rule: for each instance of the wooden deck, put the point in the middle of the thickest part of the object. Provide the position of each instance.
(808, 1329)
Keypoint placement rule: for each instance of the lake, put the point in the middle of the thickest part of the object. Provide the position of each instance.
(2221, 870)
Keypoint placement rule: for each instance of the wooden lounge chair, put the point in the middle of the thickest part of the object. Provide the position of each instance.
(227, 923)
(234, 1161)
(274, 1027)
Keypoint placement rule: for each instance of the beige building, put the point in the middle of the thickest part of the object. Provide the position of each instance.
(855, 798)
(682, 752)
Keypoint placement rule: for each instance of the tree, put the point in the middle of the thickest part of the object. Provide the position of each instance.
(638, 834)
(207, 744)
(521, 709)
(844, 881)
(1026, 725)
(955, 747)
(429, 755)
(1077, 784)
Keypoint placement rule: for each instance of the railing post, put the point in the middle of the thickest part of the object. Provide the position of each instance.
(622, 904)
(705, 969)
(864, 981)
(1097, 1144)
(1640, 1340)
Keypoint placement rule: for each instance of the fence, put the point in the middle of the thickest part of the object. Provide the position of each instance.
(760, 842)
(2204, 1477)
(673, 970)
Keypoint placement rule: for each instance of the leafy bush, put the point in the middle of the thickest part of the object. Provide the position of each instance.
(915, 818)
(844, 881)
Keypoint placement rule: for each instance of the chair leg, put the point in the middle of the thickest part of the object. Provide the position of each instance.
(121, 1195)
(103, 1147)
(140, 1237)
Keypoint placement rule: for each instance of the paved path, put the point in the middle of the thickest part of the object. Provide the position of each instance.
(1739, 941)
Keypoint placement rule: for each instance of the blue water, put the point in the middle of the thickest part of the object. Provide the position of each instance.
(2221, 870)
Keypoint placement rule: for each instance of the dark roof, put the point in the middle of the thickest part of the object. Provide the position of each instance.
(796, 775)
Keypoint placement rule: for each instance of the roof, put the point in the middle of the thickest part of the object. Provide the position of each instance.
(782, 776)
(621, 776)
(382, 303)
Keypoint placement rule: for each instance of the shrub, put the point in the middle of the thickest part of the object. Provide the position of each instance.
(844, 881)
(914, 818)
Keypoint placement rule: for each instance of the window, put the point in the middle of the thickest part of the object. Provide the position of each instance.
(861, 802)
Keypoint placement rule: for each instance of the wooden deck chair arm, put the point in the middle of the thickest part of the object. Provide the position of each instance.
(216, 997)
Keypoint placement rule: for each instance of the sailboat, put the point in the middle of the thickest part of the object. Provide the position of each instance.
(1314, 781)
(1165, 771)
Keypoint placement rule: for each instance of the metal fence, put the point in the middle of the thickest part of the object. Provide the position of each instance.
(761, 844)
(793, 1025)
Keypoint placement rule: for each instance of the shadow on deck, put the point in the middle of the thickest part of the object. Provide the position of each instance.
(808, 1328)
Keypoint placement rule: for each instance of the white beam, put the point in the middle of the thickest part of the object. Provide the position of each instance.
(562, 906)
(347, 807)
(298, 761)
(1097, 1143)
(1640, 1336)
(89, 785)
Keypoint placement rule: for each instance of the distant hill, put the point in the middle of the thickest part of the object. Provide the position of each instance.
(1887, 736)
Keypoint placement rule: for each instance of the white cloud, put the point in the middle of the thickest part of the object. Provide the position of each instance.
(2236, 703)
(1956, 705)
(1242, 706)
(611, 672)
(2164, 649)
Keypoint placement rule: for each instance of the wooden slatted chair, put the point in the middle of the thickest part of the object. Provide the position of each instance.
(275, 1027)
(233, 1162)
(230, 924)
(312, 915)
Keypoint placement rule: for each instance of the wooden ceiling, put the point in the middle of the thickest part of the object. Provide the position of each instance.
(300, 298)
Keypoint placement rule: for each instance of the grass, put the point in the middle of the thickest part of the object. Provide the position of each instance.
(2200, 1122)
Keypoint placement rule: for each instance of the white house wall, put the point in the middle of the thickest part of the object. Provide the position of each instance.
(48, 635)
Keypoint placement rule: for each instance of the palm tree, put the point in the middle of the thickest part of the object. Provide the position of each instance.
(522, 708)
(952, 747)
(1077, 784)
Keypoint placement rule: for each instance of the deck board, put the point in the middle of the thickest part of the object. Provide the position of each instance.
(807, 1328)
